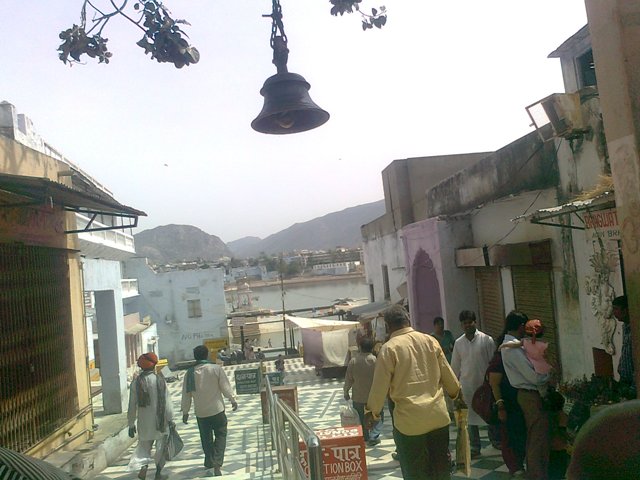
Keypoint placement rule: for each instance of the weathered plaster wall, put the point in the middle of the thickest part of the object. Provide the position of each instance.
(105, 276)
(491, 224)
(377, 228)
(16, 159)
(384, 250)
(615, 37)
(585, 247)
(164, 298)
(424, 172)
(523, 165)
(455, 289)
(583, 160)
(405, 183)
(459, 283)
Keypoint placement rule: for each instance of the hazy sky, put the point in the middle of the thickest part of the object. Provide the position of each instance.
(441, 77)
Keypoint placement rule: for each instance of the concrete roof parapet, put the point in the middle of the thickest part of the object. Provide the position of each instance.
(524, 165)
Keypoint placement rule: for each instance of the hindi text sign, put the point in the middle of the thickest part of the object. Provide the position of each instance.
(343, 453)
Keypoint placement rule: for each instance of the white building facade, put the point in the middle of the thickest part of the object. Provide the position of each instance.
(335, 268)
(187, 306)
(404, 182)
(530, 227)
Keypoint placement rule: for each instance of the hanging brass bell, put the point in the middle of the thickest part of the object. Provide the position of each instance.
(288, 108)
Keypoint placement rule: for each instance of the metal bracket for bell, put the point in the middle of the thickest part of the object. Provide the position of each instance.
(287, 108)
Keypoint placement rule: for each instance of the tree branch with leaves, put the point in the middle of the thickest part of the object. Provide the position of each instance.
(377, 18)
(163, 37)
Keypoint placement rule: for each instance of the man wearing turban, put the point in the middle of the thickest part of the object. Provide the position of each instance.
(150, 405)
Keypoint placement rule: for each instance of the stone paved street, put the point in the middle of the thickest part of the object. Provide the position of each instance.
(248, 456)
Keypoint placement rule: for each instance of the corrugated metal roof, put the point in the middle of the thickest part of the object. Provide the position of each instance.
(44, 191)
(598, 202)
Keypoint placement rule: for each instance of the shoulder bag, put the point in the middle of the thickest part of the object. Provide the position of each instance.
(483, 402)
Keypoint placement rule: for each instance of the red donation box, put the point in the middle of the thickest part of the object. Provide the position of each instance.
(343, 453)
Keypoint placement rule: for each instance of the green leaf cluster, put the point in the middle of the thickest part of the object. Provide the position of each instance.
(377, 18)
(340, 7)
(163, 38)
(76, 42)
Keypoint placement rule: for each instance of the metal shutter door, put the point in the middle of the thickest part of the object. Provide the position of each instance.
(533, 292)
(490, 302)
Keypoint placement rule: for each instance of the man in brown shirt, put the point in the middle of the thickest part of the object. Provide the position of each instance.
(413, 369)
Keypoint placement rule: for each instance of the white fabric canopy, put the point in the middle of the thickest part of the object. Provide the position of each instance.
(335, 346)
(325, 342)
(321, 325)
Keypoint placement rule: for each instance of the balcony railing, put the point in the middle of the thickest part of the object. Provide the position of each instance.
(110, 238)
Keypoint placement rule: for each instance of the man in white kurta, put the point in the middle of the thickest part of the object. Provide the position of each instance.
(471, 355)
(150, 409)
(205, 384)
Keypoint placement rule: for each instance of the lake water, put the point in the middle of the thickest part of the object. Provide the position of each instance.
(307, 295)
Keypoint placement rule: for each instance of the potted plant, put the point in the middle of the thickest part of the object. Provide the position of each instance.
(586, 396)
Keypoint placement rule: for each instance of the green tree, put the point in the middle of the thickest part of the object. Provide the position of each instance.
(253, 262)
(271, 264)
(235, 262)
(294, 268)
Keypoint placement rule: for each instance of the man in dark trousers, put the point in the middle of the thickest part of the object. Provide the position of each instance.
(358, 380)
(524, 378)
(205, 384)
(412, 369)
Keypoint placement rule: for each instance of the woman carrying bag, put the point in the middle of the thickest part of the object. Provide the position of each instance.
(513, 430)
(150, 405)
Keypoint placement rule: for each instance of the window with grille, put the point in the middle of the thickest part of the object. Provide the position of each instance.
(38, 391)
(586, 70)
(194, 309)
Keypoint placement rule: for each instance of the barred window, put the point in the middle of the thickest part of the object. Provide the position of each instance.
(194, 309)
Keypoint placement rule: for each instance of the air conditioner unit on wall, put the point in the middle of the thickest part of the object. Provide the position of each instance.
(563, 111)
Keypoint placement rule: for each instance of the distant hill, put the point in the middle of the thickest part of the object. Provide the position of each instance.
(176, 243)
(244, 244)
(332, 230)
